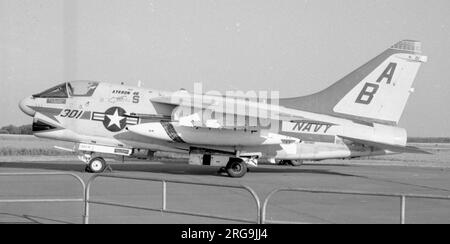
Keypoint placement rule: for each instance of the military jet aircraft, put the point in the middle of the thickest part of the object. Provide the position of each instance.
(355, 117)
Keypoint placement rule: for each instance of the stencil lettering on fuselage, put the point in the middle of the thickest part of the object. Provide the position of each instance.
(122, 96)
(306, 127)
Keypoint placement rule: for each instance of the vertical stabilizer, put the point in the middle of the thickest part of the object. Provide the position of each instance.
(376, 92)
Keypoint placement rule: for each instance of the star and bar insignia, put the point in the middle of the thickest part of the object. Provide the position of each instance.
(115, 119)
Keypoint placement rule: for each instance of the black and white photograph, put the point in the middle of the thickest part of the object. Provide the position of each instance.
(224, 118)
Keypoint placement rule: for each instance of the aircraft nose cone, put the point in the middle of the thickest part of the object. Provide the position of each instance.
(25, 104)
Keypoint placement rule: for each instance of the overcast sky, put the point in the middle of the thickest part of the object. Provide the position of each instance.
(295, 47)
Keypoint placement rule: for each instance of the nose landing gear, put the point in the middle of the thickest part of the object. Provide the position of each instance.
(96, 165)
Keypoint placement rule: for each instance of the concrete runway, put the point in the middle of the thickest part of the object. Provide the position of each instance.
(309, 208)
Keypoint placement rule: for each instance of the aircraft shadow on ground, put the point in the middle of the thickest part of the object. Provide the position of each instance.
(173, 167)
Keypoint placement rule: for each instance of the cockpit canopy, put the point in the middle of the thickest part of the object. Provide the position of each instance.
(70, 89)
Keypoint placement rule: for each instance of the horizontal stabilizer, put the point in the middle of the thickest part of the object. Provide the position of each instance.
(390, 147)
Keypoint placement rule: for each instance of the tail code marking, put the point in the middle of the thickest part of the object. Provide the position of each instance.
(370, 89)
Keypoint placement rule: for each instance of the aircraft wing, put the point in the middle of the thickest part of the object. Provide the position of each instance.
(390, 147)
(155, 117)
(187, 100)
(183, 100)
(299, 120)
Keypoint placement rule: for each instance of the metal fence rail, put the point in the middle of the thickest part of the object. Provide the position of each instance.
(261, 211)
(164, 208)
(402, 198)
(47, 200)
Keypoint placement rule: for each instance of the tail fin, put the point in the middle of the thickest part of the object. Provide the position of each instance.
(376, 92)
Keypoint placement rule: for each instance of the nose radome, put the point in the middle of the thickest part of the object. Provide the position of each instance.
(25, 104)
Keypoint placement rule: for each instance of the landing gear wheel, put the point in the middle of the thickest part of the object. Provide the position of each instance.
(96, 165)
(236, 168)
(295, 163)
(282, 162)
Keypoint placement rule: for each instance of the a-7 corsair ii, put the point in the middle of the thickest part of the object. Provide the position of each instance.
(355, 117)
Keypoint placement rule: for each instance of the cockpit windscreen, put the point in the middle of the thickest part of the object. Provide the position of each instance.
(58, 91)
(81, 88)
(70, 89)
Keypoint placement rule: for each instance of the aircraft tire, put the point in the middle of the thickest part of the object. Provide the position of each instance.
(96, 165)
(295, 163)
(236, 168)
(283, 162)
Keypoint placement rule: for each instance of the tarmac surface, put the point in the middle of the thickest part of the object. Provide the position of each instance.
(229, 202)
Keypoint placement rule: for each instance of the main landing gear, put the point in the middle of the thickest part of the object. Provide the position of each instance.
(236, 168)
(294, 163)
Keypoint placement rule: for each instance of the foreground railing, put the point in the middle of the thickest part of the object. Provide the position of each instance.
(261, 211)
(47, 200)
(163, 207)
(402, 198)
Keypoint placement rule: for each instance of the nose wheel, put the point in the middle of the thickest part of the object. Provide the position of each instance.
(96, 165)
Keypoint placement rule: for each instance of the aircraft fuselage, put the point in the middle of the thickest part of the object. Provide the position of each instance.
(105, 117)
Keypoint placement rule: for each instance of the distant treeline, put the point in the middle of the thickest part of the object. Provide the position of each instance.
(429, 140)
(17, 130)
